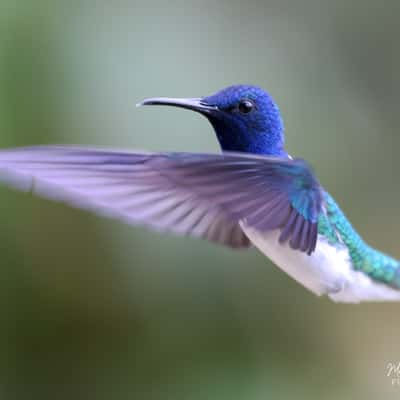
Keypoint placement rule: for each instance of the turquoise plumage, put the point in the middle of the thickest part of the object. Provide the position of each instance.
(334, 225)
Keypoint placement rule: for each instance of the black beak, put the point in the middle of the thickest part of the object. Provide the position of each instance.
(189, 104)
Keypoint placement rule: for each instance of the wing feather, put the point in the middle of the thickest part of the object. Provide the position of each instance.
(202, 195)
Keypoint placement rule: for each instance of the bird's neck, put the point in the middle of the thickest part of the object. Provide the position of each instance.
(268, 144)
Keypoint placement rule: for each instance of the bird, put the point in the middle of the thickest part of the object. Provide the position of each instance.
(250, 194)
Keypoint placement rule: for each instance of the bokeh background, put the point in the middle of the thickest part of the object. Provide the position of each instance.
(93, 309)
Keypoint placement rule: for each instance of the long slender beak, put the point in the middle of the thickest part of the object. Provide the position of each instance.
(195, 104)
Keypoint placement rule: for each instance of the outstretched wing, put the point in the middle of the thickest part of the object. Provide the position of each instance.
(203, 195)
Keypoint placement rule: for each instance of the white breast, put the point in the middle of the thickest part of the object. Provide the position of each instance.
(327, 271)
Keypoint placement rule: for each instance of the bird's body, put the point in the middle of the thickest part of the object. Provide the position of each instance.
(253, 193)
(344, 272)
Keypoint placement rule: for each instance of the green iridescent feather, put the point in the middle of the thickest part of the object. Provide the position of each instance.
(336, 228)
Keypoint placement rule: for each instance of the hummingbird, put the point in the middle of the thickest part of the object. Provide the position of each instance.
(252, 193)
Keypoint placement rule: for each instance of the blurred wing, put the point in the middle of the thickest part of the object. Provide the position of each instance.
(202, 195)
(132, 187)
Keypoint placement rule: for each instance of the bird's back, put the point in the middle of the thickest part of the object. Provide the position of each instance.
(335, 226)
(343, 266)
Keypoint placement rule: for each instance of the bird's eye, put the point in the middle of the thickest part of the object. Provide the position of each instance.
(246, 106)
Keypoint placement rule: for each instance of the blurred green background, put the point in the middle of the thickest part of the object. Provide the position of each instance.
(94, 309)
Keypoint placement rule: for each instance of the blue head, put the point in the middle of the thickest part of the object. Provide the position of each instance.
(245, 118)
